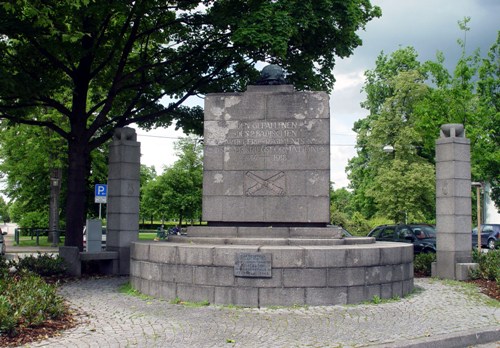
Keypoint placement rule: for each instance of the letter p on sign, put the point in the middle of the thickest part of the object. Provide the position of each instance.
(101, 193)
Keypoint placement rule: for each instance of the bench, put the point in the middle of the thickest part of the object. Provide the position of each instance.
(107, 261)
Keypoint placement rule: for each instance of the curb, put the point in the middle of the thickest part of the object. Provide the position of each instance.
(458, 339)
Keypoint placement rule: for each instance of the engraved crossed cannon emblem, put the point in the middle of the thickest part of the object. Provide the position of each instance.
(272, 186)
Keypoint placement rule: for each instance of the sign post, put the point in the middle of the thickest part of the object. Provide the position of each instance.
(101, 195)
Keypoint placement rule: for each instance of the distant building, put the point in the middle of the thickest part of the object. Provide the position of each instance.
(491, 214)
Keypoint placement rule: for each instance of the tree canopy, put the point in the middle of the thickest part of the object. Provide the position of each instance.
(177, 193)
(408, 101)
(83, 68)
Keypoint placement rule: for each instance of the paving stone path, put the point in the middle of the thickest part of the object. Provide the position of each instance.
(438, 314)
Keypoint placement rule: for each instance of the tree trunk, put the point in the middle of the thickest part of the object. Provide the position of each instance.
(79, 161)
(180, 221)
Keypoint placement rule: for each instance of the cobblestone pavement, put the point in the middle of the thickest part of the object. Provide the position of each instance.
(437, 315)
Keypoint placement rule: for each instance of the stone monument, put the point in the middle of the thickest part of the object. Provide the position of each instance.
(266, 203)
(267, 158)
(453, 204)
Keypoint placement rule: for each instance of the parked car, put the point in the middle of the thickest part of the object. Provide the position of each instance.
(490, 234)
(2, 242)
(422, 236)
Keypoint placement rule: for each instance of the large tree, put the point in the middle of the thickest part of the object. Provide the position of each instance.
(408, 101)
(385, 124)
(108, 64)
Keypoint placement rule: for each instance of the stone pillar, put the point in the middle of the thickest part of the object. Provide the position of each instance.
(123, 195)
(453, 203)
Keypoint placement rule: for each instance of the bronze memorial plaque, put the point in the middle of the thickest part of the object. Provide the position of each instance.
(254, 265)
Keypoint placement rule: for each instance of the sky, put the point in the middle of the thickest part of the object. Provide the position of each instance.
(427, 25)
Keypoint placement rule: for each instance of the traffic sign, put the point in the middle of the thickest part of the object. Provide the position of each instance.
(101, 193)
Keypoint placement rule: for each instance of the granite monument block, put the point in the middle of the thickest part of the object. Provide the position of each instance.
(269, 150)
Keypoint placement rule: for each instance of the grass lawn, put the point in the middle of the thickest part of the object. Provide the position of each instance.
(26, 241)
(147, 235)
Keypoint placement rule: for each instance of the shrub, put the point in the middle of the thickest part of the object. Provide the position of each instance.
(4, 266)
(378, 220)
(43, 264)
(358, 225)
(34, 218)
(489, 265)
(422, 263)
(7, 320)
(26, 301)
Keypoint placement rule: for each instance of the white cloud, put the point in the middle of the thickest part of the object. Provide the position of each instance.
(157, 146)
(349, 80)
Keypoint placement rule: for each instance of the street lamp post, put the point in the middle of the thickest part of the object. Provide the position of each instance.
(55, 187)
(389, 149)
(478, 187)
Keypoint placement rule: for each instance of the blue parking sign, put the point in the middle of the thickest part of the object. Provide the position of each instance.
(101, 193)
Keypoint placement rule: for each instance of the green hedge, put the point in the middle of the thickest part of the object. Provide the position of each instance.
(489, 265)
(423, 262)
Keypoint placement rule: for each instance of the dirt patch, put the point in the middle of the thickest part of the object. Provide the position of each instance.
(488, 287)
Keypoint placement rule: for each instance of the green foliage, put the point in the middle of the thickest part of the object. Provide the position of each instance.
(489, 265)
(27, 301)
(147, 175)
(24, 152)
(342, 213)
(405, 191)
(4, 266)
(338, 218)
(4, 211)
(43, 264)
(177, 192)
(34, 219)
(128, 290)
(358, 225)
(28, 155)
(7, 320)
(340, 206)
(176, 300)
(377, 221)
(408, 101)
(423, 262)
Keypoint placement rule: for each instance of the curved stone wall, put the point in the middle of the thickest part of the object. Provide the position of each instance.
(349, 273)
